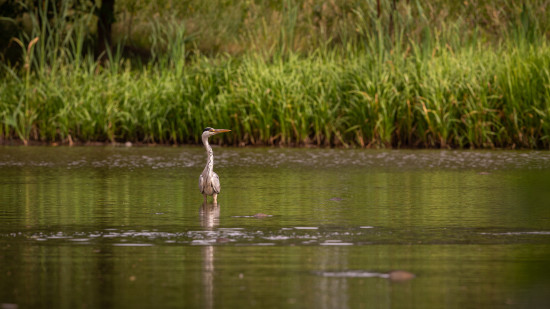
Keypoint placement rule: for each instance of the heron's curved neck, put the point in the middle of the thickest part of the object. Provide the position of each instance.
(209, 155)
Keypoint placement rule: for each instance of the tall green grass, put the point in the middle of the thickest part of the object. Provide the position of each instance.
(408, 86)
(467, 98)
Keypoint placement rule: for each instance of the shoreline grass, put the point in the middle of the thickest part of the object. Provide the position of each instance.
(423, 87)
(468, 98)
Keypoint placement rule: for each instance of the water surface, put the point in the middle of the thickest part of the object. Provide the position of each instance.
(126, 227)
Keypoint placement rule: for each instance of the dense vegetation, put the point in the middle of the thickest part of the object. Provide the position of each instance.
(360, 73)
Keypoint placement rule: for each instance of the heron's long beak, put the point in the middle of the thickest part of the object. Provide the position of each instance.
(218, 131)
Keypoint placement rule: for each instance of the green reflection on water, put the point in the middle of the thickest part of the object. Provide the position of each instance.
(105, 227)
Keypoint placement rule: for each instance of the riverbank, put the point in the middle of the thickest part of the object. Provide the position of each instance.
(377, 76)
(471, 98)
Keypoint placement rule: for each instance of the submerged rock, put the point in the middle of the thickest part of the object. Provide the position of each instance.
(400, 275)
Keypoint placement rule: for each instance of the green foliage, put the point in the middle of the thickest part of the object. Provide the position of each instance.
(408, 85)
(471, 98)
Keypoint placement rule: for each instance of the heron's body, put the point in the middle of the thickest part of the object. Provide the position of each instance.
(209, 185)
(209, 181)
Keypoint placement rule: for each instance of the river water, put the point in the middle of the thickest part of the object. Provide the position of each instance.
(100, 227)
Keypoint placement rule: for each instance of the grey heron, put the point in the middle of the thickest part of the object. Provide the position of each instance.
(209, 182)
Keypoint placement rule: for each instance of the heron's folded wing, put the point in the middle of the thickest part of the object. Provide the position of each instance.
(216, 183)
(201, 184)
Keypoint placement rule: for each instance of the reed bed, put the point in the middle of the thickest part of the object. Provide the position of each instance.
(398, 87)
(468, 98)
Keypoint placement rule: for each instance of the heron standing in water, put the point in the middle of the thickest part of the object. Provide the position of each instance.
(209, 182)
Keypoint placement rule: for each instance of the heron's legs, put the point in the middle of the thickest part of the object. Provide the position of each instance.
(215, 197)
(205, 198)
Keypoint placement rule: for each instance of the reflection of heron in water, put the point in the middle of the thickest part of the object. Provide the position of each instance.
(209, 182)
(210, 215)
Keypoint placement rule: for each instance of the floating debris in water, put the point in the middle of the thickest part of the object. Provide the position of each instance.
(203, 241)
(396, 275)
(258, 215)
(277, 237)
(351, 274)
(262, 215)
(336, 199)
(518, 233)
(80, 239)
(336, 244)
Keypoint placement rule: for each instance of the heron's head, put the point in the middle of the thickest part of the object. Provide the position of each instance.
(211, 131)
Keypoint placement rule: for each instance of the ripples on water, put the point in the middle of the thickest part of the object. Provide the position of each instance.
(97, 158)
(310, 236)
(162, 158)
